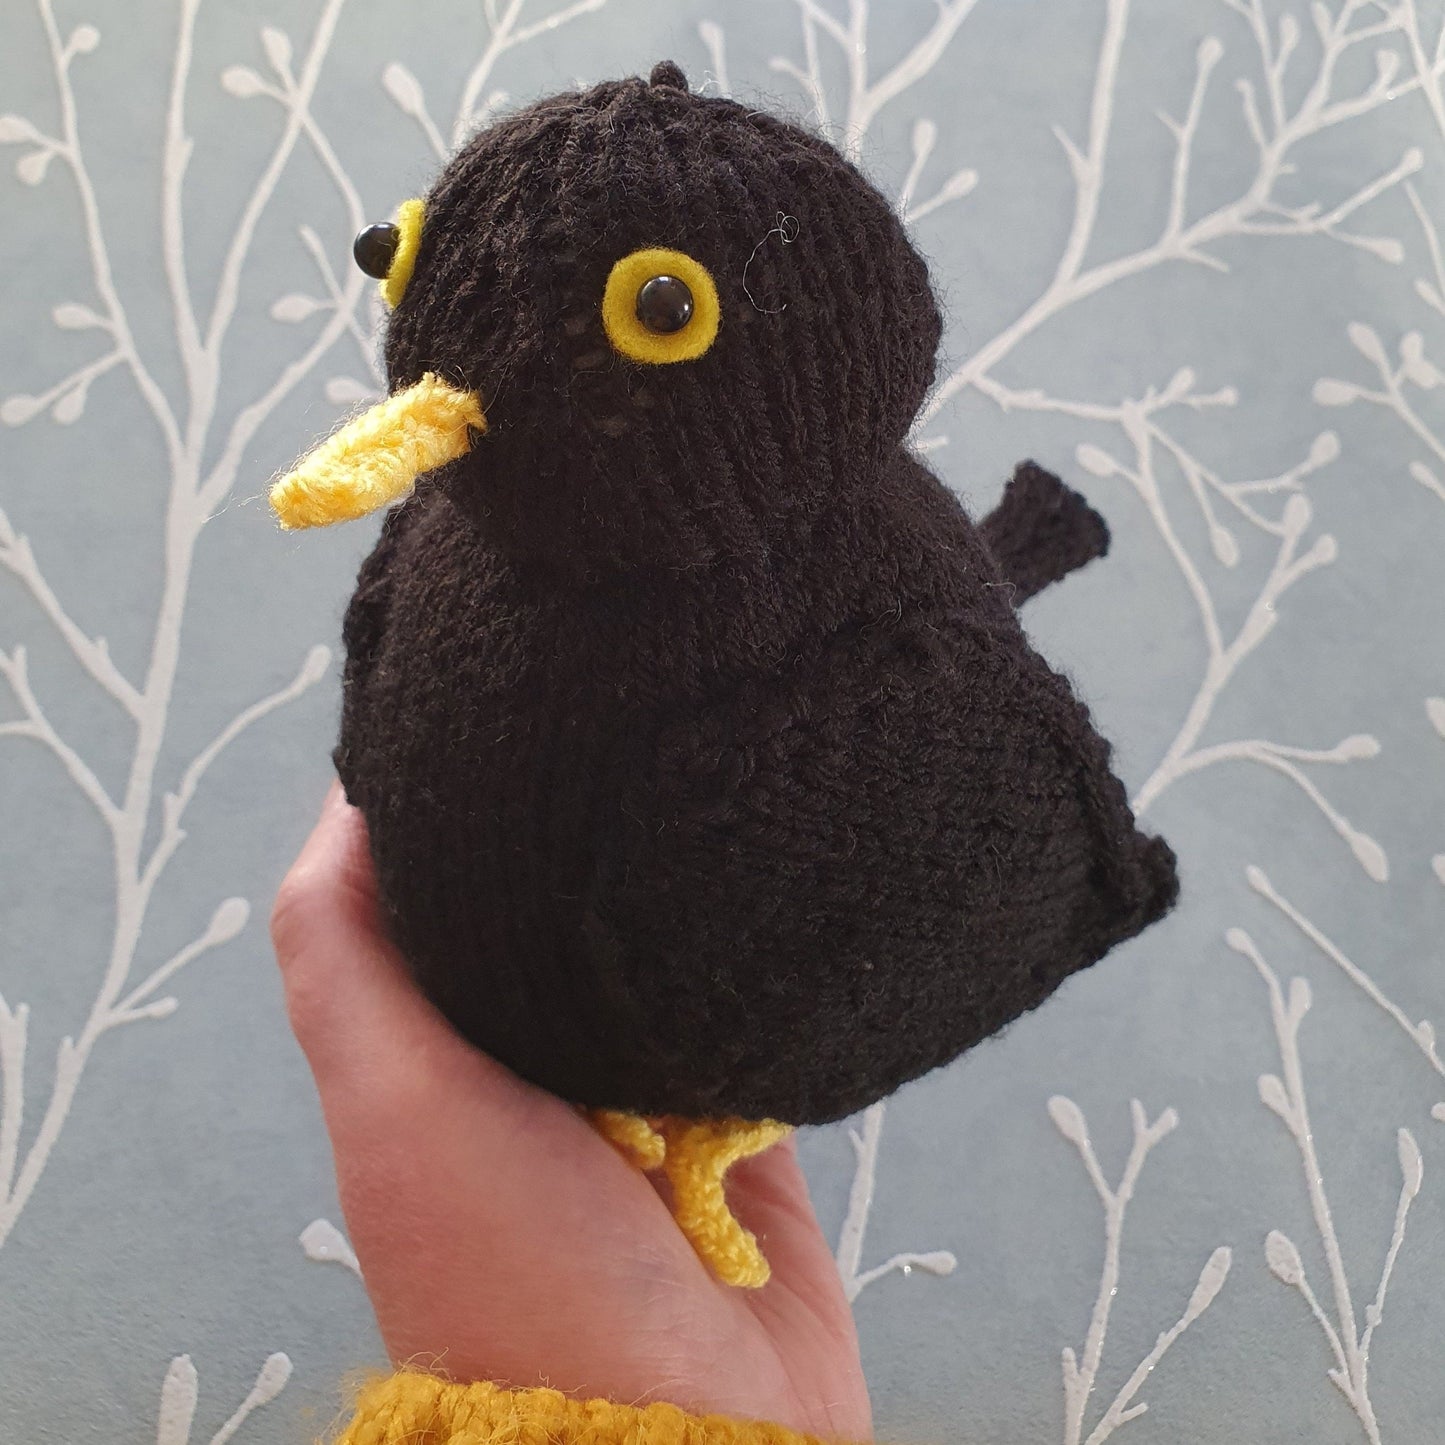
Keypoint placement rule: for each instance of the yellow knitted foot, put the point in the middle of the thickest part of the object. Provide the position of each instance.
(699, 1154)
(631, 1134)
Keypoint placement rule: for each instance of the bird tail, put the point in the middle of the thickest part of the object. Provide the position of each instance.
(1041, 531)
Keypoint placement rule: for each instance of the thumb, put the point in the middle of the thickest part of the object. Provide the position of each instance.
(352, 1003)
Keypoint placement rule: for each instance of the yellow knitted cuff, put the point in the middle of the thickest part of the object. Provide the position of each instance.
(416, 1409)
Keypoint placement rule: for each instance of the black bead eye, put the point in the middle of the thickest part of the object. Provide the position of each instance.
(664, 305)
(375, 248)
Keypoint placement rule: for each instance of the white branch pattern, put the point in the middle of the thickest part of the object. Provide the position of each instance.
(849, 1254)
(203, 469)
(1405, 381)
(1080, 1373)
(1421, 1033)
(180, 1394)
(322, 1241)
(1347, 1338)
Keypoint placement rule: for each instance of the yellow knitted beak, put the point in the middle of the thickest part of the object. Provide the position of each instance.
(375, 459)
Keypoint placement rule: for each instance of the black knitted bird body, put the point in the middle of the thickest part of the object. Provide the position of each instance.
(727, 842)
(708, 772)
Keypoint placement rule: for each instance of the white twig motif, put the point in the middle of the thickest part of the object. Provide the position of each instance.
(1421, 1033)
(1277, 134)
(866, 95)
(1080, 1374)
(1411, 368)
(204, 460)
(849, 1253)
(1412, 371)
(711, 35)
(91, 653)
(326, 1244)
(505, 32)
(1348, 1340)
(180, 1392)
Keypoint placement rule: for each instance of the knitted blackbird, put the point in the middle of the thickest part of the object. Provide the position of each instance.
(707, 768)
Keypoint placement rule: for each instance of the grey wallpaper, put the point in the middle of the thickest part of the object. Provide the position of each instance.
(1193, 255)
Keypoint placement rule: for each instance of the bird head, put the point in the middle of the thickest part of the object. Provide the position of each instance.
(635, 326)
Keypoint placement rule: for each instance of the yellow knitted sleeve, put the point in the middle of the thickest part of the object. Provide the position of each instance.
(416, 1409)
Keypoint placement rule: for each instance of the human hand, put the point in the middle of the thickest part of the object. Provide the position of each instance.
(500, 1236)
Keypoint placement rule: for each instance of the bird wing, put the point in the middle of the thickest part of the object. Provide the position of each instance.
(844, 875)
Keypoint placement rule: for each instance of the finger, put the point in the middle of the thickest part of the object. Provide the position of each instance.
(804, 1302)
(328, 898)
(769, 1194)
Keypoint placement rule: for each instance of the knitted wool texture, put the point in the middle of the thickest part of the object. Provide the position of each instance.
(707, 768)
(697, 1156)
(375, 458)
(416, 1409)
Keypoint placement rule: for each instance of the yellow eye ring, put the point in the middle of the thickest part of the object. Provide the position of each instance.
(620, 299)
(408, 241)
